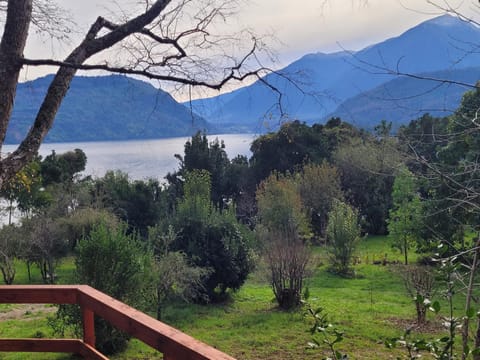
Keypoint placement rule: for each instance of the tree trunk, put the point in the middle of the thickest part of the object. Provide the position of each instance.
(11, 54)
(29, 272)
(14, 39)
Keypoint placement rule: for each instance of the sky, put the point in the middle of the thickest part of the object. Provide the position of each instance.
(299, 27)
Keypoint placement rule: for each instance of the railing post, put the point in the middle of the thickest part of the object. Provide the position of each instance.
(88, 321)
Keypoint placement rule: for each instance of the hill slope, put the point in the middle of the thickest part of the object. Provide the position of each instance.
(328, 80)
(105, 108)
(404, 99)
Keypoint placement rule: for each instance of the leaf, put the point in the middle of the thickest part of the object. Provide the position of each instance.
(470, 313)
(435, 307)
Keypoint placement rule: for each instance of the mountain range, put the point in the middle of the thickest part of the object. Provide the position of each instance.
(111, 107)
(361, 87)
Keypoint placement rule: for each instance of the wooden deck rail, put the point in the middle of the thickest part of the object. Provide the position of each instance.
(174, 344)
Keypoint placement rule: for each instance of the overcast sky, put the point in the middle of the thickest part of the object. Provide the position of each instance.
(301, 26)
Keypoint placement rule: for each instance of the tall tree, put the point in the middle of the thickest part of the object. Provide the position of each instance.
(138, 203)
(200, 154)
(319, 186)
(170, 40)
(406, 214)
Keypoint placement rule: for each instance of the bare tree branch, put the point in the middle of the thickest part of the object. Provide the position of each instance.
(171, 40)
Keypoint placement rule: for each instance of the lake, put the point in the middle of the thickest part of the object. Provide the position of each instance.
(141, 159)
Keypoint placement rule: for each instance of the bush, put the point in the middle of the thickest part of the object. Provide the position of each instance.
(212, 239)
(282, 230)
(115, 263)
(343, 234)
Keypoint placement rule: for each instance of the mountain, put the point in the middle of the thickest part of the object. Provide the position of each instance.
(403, 99)
(111, 107)
(444, 43)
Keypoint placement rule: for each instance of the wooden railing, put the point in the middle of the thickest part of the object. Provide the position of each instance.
(174, 344)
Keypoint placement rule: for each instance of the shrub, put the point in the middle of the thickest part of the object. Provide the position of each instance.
(343, 234)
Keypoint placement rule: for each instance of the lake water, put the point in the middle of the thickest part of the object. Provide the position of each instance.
(141, 159)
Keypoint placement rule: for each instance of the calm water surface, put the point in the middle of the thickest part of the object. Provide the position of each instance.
(141, 159)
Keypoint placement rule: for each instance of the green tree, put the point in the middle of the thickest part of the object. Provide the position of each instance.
(319, 185)
(296, 144)
(343, 234)
(366, 168)
(25, 191)
(200, 154)
(406, 213)
(212, 238)
(139, 203)
(61, 169)
(116, 263)
(173, 275)
(79, 223)
(283, 229)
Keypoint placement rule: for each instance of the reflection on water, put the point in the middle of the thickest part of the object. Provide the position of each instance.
(141, 159)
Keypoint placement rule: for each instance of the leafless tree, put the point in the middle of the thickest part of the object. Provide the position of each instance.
(419, 283)
(170, 40)
(287, 257)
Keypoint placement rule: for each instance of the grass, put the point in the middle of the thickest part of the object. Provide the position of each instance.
(369, 307)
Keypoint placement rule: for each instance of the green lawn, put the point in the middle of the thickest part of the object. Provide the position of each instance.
(369, 308)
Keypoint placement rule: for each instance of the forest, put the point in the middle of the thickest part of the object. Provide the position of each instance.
(306, 201)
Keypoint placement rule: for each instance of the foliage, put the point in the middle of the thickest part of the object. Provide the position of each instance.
(448, 163)
(212, 238)
(406, 214)
(138, 203)
(44, 245)
(24, 190)
(61, 169)
(115, 263)
(367, 308)
(280, 205)
(230, 180)
(173, 275)
(282, 229)
(319, 185)
(79, 223)
(448, 346)
(296, 143)
(343, 234)
(366, 169)
(329, 335)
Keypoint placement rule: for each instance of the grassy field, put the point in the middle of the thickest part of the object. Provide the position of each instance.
(370, 307)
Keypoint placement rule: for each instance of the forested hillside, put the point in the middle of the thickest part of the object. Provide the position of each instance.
(106, 108)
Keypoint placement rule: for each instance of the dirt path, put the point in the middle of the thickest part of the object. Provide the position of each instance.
(27, 311)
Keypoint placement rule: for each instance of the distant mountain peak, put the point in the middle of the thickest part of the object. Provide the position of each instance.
(446, 20)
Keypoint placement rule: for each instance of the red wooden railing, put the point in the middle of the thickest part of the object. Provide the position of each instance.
(174, 344)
